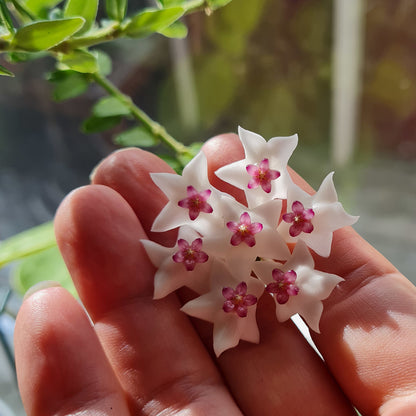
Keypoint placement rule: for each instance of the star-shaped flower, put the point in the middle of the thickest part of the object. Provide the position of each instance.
(185, 264)
(192, 199)
(284, 285)
(314, 217)
(262, 174)
(311, 286)
(300, 218)
(230, 305)
(246, 234)
(190, 254)
(244, 230)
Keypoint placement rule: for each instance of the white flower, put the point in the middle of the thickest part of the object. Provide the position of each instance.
(263, 173)
(230, 305)
(247, 234)
(314, 218)
(185, 264)
(192, 199)
(296, 286)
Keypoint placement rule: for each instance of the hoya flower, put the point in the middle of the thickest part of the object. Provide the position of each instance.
(284, 285)
(300, 218)
(230, 305)
(185, 264)
(190, 254)
(246, 234)
(296, 286)
(192, 199)
(238, 300)
(196, 202)
(244, 230)
(262, 174)
(314, 218)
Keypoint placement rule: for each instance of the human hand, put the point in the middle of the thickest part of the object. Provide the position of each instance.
(145, 357)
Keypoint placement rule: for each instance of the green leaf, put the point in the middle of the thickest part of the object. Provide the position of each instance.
(104, 63)
(46, 34)
(216, 4)
(152, 20)
(5, 17)
(17, 57)
(27, 243)
(46, 265)
(110, 106)
(95, 124)
(185, 4)
(40, 7)
(80, 61)
(116, 9)
(68, 84)
(175, 30)
(137, 137)
(82, 8)
(5, 72)
(172, 3)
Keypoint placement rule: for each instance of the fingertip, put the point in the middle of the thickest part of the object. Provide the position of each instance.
(222, 150)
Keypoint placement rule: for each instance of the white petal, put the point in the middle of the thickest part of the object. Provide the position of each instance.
(229, 328)
(282, 147)
(314, 286)
(171, 216)
(235, 174)
(196, 171)
(156, 252)
(172, 185)
(326, 193)
(331, 217)
(254, 144)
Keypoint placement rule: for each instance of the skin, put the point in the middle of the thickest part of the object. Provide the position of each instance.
(145, 357)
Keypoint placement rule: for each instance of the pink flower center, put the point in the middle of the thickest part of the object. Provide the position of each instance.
(283, 286)
(262, 175)
(244, 230)
(191, 254)
(301, 219)
(196, 202)
(237, 300)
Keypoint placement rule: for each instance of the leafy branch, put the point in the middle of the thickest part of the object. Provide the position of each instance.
(33, 29)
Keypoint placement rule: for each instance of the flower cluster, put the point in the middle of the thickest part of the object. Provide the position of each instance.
(231, 254)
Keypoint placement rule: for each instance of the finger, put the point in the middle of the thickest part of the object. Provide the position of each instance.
(254, 373)
(158, 358)
(61, 367)
(368, 327)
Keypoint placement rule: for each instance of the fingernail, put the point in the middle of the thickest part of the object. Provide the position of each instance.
(40, 286)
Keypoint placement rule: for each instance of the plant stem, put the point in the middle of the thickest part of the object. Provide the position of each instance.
(152, 126)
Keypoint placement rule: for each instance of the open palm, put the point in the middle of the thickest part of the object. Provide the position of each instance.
(146, 357)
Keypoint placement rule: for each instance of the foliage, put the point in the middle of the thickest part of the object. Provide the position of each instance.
(71, 32)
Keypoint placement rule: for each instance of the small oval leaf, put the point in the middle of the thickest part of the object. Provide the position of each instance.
(95, 124)
(46, 34)
(116, 9)
(68, 84)
(176, 30)
(82, 8)
(47, 264)
(40, 7)
(27, 243)
(80, 61)
(5, 72)
(136, 137)
(153, 20)
(110, 106)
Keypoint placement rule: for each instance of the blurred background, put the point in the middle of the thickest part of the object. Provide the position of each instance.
(341, 74)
